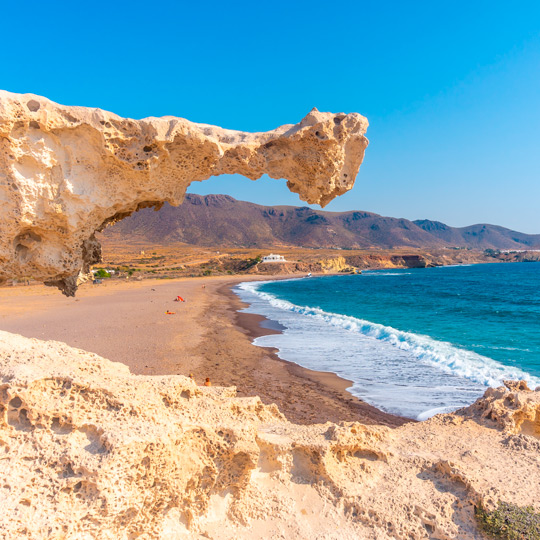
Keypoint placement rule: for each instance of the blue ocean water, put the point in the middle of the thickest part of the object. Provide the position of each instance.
(414, 342)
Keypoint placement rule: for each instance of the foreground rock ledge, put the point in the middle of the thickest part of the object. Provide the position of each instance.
(89, 450)
(66, 172)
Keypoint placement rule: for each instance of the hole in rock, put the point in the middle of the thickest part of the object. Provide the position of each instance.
(366, 454)
(19, 419)
(304, 466)
(94, 445)
(16, 402)
(33, 105)
(531, 428)
(22, 252)
(59, 427)
(68, 470)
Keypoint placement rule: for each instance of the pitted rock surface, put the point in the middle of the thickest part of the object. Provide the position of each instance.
(89, 450)
(67, 172)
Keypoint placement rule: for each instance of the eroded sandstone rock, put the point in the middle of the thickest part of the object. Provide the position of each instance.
(89, 450)
(66, 172)
(512, 407)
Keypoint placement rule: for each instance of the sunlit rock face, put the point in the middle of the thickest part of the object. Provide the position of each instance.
(66, 172)
(89, 450)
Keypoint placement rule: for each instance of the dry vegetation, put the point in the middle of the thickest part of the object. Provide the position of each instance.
(179, 259)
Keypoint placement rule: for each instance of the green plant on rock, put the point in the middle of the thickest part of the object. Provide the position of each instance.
(510, 522)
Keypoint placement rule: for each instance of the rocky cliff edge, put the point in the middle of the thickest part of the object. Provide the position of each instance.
(89, 450)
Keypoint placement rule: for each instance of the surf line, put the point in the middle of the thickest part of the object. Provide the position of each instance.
(440, 354)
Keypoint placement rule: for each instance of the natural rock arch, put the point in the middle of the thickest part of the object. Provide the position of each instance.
(67, 172)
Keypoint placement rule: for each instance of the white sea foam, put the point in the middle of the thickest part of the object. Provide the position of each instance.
(378, 273)
(398, 371)
(454, 265)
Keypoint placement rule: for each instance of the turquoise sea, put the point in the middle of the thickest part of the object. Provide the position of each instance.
(414, 342)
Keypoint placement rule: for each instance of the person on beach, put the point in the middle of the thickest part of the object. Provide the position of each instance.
(207, 382)
(191, 377)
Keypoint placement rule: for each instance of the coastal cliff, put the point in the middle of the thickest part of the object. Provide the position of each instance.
(89, 450)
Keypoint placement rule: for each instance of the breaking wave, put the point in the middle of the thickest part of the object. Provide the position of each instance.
(406, 361)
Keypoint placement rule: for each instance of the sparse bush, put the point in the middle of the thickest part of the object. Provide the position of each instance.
(102, 273)
(510, 522)
(248, 263)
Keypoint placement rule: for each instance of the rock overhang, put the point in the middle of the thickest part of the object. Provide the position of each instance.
(67, 172)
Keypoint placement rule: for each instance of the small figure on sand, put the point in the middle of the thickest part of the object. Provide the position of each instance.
(207, 382)
(191, 377)
(170, 312)
(179, 299)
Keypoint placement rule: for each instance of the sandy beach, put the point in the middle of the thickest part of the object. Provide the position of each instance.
(126, 321)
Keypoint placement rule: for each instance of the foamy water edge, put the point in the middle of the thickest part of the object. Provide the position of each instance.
(480, 371)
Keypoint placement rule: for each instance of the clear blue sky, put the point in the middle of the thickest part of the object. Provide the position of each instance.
(451, 89)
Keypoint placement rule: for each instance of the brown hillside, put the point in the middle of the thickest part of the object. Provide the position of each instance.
(214, 220)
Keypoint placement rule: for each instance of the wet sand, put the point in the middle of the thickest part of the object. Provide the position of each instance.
(125, 321)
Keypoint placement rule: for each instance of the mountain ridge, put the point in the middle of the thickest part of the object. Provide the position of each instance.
(210, 220)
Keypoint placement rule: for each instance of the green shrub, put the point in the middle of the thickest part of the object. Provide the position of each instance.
(510, 522)
(249, 263)
(102, 273)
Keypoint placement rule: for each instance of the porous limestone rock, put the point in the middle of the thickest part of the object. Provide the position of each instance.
(89, 450)
(513, 407)
(66, 172)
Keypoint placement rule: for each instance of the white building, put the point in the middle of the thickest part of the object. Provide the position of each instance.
(272, 258)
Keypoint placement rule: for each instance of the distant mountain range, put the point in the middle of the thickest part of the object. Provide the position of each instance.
(215, 220)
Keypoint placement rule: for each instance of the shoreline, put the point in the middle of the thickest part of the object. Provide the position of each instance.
(326, 383)
(126, 322)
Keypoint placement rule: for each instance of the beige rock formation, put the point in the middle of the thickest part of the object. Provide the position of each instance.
(89, 450)
(336, 264)
(66, 172)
